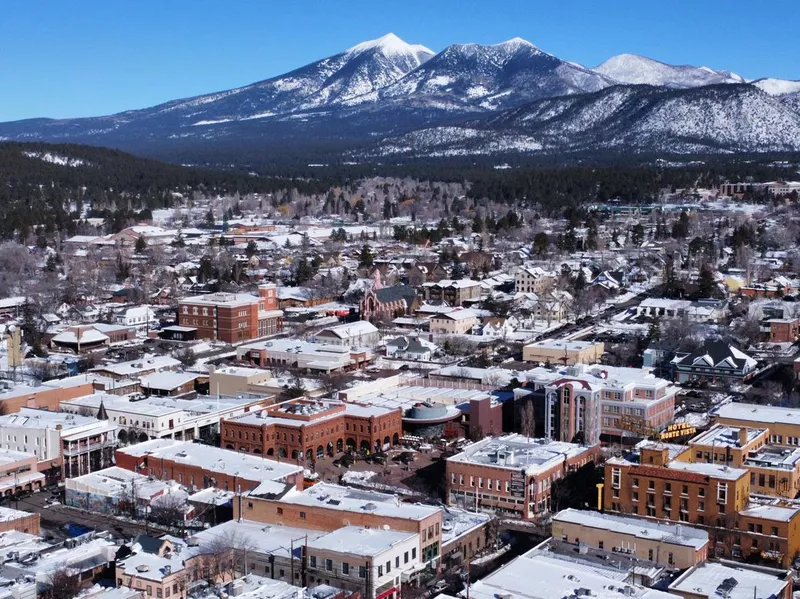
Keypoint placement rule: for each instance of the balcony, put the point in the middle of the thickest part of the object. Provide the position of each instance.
(73, 449)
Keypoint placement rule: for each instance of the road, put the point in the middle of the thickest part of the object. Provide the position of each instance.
(54, 517)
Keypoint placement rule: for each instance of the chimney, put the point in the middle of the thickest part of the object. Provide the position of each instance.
(742, 437)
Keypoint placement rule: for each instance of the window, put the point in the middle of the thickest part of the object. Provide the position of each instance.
(149, 590)
(159, 593)
(722, 493)
(650, 555)
(302, 515)
(249, 505)
(345, 568)
(667, 488)
(312, 561)
(362, 571)
(329, 565)
(280, 511)
(388, 566)
(685, 490)
(774, 531)
(405, 557)
(635, 496)
(651, 485)
(616, 475)
(413, 553)
(635, 482)
(600, 545)
(671, 559)
(380, 571)
(701, 492)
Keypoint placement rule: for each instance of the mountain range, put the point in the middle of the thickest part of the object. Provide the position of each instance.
(386, 97)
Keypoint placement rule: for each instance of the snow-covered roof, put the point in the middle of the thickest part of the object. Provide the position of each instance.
(214, 459)
(675, 534)
(516, 452)
(360, 541)
(346, 499)
(739, 582)
(541, 575)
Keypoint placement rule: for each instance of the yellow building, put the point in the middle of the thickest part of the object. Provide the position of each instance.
(559, 351)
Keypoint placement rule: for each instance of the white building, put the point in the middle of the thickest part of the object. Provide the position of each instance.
(139, 419)
(357, 558)
(304, 355)
(140, 318)
(84, 444)
(351, 334)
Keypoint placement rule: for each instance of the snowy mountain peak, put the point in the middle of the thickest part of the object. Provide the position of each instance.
(778, 87)
(390, 44)
(515, 43)
(635, 69)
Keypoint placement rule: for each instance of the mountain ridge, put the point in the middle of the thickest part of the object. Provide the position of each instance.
(385, 90)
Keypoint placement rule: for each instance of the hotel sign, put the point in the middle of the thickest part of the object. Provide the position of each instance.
(680, 429)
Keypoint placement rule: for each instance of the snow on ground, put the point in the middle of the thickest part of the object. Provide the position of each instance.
(694, 419)
(357, 478)
(56, 158)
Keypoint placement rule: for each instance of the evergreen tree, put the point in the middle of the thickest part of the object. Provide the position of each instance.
(141, 245)
(210, 219)
(366, 259)
(251, 249)
(707, 284)
(540, 243)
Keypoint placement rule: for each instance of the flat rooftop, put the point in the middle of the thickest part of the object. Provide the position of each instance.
(115, 482)
(258, 537)
(214, 459)
(718, 580)
(515, 452)
(676, 534)
(721, 435)
(771, 512)
(562, 345)
(539, 575)
(774, 457)
(757, 413)
(713, 470)
(33, 418)
(347, 499)
(221, 299)
(360, 541)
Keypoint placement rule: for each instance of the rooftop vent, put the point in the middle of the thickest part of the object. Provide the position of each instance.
(142, 568)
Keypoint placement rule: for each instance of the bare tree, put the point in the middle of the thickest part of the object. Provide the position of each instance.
(62, 583)
(527, 423)
(168, 509)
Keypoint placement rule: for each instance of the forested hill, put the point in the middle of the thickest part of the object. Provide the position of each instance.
(72, 166)
(49, 184)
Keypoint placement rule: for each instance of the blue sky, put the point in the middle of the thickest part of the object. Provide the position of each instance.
(92, 57)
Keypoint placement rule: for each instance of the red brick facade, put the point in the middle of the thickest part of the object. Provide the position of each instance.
(232, 318)
(306, 436)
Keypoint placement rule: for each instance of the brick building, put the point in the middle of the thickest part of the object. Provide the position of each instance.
(11, 519)
(599, 399)
(328, 507)
(308, 429)
(657, 484)
(512, 475)
(453, 293)
(661, 543)
(199, 466)
(47, 395)
(783, 423)
(773, 470)
(233, 317)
